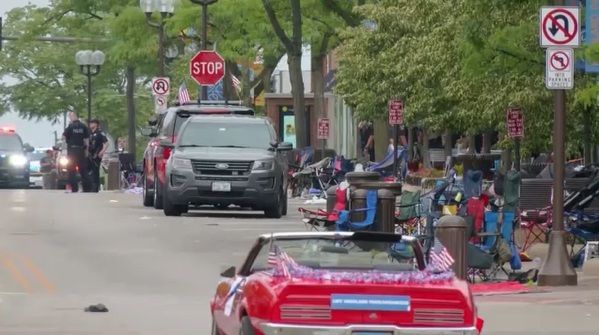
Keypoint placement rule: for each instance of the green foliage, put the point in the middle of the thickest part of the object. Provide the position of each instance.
(458, 65)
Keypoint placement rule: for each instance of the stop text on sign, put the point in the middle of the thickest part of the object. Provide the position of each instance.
(202, 68)
(207, 67)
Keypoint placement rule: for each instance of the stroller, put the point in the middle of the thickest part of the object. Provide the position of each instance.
(385, 166)
(130, 176)
(298, 161)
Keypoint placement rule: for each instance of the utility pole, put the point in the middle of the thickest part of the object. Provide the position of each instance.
(204, 4)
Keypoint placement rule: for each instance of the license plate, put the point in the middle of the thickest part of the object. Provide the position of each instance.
(221, 186)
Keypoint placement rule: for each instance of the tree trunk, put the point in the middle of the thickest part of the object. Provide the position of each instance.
(425, 156)
(448, 147)
(131, 123)
(486, 142)
(587, 136)
(472, 144)
(410, 147)
(299, 104)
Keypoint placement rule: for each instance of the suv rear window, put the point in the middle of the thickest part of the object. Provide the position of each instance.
(10, 142)
(172, 121)
(226, 134)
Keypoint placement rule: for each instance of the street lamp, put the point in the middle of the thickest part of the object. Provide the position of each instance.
(204, 4)
(166, 8)
(89, 63)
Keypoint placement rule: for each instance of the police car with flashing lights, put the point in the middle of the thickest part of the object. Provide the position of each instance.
(14, 165)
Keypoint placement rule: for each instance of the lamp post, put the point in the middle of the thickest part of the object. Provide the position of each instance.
(165, 8)
(89, 63)
(204, 4)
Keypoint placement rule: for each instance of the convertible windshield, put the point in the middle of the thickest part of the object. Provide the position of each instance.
(341, 255)
(226, 135)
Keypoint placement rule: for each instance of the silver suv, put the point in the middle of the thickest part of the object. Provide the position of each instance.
(224, 160)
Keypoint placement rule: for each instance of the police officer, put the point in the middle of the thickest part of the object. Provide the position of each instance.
(98, 143)
(76, 135)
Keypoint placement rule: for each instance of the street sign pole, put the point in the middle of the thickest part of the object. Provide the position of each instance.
(557, 269)
(395, 119)
(395, 150)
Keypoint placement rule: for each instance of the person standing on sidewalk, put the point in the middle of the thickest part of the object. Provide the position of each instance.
(98, 143)
(76, 136)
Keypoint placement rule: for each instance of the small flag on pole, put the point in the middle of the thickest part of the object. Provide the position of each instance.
(236, 83)
(440, 259)
(183, 94)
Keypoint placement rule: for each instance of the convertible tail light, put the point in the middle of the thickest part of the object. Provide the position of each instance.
(438, 316)
(305, 312)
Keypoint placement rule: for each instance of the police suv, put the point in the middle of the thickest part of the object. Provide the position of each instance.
(14, 165)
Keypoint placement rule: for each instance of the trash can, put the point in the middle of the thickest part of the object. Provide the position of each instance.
(385, 211)
(113, 180)
(49, 180)
(331, 198)
(358, 201)
(355, 179)
(452, 233)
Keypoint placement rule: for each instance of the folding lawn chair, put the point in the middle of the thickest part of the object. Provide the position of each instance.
(344, 222)
(321, 220)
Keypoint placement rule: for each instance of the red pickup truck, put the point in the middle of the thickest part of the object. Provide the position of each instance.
(166, 126)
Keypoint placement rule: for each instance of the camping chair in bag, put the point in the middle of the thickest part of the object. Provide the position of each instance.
(407, 220)
(344, 221)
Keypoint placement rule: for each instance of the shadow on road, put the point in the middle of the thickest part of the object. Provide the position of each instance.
(232, 213)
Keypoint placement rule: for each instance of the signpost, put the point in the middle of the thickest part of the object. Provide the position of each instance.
(395, 120)
(559, 69)
(559, 30)
(207, 68)
(160, 103)
(515, 130)
(324, 127)
(161, 85)
(160, 89)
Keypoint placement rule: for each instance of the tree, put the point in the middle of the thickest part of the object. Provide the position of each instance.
(293, 46)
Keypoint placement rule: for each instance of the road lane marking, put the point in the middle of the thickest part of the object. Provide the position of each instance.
(16, 274)
(37, 273)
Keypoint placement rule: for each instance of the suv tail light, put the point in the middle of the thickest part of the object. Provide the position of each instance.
(166, 153)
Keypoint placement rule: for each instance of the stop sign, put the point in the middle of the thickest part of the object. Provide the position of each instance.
(207, 67)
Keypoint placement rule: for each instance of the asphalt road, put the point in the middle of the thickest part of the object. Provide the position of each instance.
(62, 252)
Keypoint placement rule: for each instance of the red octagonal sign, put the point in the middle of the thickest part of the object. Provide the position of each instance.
(207, 67)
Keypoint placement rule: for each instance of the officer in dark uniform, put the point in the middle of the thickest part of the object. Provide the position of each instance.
(76, 135)
(98, 143)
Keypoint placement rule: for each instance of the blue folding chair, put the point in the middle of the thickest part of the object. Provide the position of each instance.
(344, 222)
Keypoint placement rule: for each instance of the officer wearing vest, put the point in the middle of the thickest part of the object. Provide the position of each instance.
(76, 136)
(98, 143)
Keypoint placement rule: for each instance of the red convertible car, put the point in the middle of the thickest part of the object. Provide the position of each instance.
(341, 283)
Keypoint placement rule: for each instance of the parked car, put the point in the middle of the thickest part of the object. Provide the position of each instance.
(226, 160)
(165, 127)
(14, 164)
(340, 283)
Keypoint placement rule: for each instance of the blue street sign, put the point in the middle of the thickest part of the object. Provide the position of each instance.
(215, 93)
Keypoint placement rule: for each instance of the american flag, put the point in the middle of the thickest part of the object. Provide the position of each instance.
(272, 258)
(236, 82)
(440, 259)
(183, 94)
